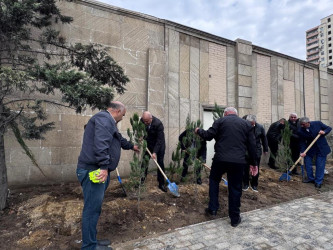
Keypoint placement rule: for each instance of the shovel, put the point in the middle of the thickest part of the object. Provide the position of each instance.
(224, 180)
(171, 186)
(121, 183)
(286, 176)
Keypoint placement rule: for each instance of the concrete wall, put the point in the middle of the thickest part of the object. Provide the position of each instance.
(175, 71)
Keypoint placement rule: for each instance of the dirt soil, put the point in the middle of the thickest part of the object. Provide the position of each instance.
(49, 217)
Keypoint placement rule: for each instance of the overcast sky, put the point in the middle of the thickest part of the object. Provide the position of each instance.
(277, 25)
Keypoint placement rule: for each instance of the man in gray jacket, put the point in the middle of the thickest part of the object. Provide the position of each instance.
(234, 136)
(101, 148)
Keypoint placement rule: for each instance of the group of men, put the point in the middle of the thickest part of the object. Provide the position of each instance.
(238, 150)
(303, 132)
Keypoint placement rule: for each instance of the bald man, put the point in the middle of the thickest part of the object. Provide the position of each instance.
(101, 149)
(156, 144)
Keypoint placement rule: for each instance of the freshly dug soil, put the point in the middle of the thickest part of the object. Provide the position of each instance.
(49, 217)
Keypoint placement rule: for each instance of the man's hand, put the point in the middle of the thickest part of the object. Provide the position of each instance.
(103, 175)
(136, 148)
(154, 156)
(253, 170)
(321, 132)
(303, 155)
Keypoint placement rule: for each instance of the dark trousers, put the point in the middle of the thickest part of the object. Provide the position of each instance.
(93, 195)
(185, 168)
(273, 146)
(246, 176)
(235, 175)
(160, 161)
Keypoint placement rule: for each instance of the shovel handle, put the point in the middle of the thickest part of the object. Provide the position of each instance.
(158, 165)
(205, 165)
(306, 150)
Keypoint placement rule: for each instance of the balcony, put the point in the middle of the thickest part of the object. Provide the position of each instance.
(308, 35)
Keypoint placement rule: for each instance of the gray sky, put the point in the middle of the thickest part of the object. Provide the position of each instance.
(277, 25)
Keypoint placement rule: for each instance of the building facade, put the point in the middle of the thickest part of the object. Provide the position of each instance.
(175, 72)
(319, 44)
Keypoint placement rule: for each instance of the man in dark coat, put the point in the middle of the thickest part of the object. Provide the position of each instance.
(294, 138)
(320, 149)
(274, 136)
(234, 137)
(156, 144)
(261, 145)
(101, 149)
(201, 154)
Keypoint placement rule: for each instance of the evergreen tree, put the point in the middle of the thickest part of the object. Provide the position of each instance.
(217, 112)
(36, 62)
(140, 161)
(283, 157)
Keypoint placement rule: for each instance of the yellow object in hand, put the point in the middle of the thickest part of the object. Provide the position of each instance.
(93, 176)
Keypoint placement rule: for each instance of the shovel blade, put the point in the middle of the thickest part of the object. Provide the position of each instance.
(285, 177)
(173, 188)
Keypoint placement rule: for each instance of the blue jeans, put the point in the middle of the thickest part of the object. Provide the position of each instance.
(93, 195)
(320, 168)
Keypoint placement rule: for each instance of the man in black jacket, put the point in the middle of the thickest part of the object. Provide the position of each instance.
(234, 136)
(274, 135)
(261, 145)
(294, 138)
(201, 154)
(155, 143)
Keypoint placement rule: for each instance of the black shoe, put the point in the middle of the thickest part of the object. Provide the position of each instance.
(235, 224)
(308, 181)
(210, 212)
(162, 187)
(317, 185)
(101, 247)
(245, 187)
(254, 189)
(103, 242)
(199, 182)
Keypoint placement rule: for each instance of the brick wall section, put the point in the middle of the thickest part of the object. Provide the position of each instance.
(264, 89)
(309, 93)
(217, 72)
(289, 98)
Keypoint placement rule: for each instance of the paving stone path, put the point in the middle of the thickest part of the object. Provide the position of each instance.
(305, 223)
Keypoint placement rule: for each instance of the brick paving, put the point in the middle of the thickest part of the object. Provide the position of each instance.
(305, 223)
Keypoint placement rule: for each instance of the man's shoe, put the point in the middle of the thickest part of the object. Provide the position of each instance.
(199, 182)
(308, 181)
(101, 247)
(162, 187)
(317, 185)
(245, 187)
(104, 242)
(210, 212)
(254, 189)
(325, 171)
(235, 224)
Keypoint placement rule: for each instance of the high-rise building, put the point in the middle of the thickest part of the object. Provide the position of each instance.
(319, 43)
(312, 45)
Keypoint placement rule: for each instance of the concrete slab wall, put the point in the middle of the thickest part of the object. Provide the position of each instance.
(175, 72)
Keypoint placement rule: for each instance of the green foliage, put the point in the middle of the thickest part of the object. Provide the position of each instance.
(140, 160)
(217, 112)
(36, 62)
(283, 157)
(175, 167)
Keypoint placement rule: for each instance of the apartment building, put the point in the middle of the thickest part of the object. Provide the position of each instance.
(319, 43)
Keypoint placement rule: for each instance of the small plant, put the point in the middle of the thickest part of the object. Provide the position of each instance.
(217, 112)
(140, 160)
(175, 167)
(283, 158)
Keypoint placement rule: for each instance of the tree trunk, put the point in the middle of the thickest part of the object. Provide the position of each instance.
(3, 174)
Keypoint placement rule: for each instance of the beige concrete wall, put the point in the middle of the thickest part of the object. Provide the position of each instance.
(175, 72)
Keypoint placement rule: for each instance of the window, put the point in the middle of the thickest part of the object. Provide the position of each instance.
(330, 51)
(328, 19)
(322, 59)
(329, 32)
(330, 57)
(330, 38)
(329, 26)
(329, 45)
(322, 53)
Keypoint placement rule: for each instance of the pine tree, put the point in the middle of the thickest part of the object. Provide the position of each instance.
(35, 60)
(217, 112)
(283, 157)
(140, 161)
